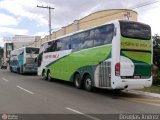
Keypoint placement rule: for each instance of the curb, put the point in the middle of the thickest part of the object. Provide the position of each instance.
(144, 93)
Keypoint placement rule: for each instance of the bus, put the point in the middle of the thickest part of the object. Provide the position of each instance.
(116, 55)
(22, 60)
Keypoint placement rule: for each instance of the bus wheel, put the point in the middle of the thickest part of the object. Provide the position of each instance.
(11, 69)
(77, 81)
(18, 70)
(21, 70)
(43, 75)
(88, 83)
(49, 78)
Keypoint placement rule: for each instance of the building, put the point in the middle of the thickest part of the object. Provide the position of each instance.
(89, 21)
(16, 42)
(8, 47)
(24, 40)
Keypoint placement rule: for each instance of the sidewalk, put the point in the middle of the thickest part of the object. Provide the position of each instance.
(144, 93)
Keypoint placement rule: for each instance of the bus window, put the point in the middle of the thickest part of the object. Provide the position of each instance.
(88, 39)
(103, 35)
(65, 43)
(77, 41)
(82, 40)
(135, 30)
(31, 50)
(49, 47)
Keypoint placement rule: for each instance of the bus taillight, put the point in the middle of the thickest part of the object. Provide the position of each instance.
(117, 69)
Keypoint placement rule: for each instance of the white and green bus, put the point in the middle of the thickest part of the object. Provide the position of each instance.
(22, 60)
(116, 55)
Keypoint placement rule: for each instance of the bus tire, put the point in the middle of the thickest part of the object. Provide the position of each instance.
(43, 75)
(17, 70)
(88, 83)
(11, 69)
(77, 81)
(49, 78)
(21, 70)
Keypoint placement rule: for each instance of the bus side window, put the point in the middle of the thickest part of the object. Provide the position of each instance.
(78, 41)
(48, 47)
(103, 35)
(65, 43)
(89, 37)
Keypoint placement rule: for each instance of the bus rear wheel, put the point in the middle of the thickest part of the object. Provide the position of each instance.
(18, 70)
(49, 78)
(77, 81)
(43, 75)
(11, 69)
(88, 83)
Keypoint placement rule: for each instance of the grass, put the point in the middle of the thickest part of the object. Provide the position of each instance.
(152, 89)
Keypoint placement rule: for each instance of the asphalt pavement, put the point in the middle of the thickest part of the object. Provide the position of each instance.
(30, 94)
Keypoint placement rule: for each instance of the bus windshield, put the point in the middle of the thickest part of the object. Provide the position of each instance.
(32, 50)
(135, 30)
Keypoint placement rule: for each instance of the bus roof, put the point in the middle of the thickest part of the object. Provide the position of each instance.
(24, 47)
(79, 31)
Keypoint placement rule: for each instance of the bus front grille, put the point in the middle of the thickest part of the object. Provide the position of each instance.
(105, 74)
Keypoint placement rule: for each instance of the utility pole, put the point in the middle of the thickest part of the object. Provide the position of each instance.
(49, 21)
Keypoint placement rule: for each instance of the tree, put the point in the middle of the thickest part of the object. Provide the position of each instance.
(156, 59)
(1, 55)
(156, 50)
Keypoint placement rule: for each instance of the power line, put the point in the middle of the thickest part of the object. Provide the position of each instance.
(49, 25)
(132, 7)
(144, 4)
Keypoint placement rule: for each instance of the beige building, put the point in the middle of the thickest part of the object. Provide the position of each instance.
(24, 40)
(90, 21)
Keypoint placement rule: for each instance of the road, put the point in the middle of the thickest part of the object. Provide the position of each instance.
(29, 94)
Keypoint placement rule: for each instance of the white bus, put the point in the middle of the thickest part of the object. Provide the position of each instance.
(22, 60)
(116, 55)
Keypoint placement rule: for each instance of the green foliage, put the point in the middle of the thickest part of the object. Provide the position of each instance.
(156, 79)
(156, 57)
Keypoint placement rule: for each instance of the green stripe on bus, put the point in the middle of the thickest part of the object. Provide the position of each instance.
(73, 62)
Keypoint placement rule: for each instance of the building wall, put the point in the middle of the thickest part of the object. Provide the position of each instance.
(69, 29)
(20, 44)
(92, 20)
(8, 47)
(24, 40)
(102, 17)
(59, 33)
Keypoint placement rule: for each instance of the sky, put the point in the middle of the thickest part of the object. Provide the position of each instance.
(23, 17)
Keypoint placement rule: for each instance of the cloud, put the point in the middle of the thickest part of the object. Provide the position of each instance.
(13, 31)
(65, 12)
(24, 9)
(6, 20)
(149, 15)
(42, 34)
(1, 42)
